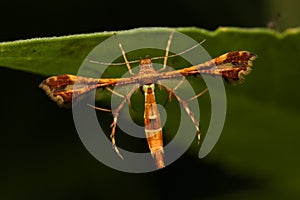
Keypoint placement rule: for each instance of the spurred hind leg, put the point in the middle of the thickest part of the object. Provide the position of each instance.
(184, 103)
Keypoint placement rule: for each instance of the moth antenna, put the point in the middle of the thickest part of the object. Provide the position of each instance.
(112, 64)
(180, 53)
(98, 108)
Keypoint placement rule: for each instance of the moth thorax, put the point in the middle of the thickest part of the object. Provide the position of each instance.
(147, 66)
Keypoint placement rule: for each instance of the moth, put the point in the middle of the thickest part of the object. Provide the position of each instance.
(232, 66)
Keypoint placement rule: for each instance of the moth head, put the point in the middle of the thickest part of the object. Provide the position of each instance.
(145, 61)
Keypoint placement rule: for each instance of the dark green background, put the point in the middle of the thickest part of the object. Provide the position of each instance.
(32, 18)
(257, 156)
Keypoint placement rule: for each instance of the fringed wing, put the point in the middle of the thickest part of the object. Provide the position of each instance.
(63, 88)
(232, 66)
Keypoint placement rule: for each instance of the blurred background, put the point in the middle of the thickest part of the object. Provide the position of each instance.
(32, 18)
(42, 156)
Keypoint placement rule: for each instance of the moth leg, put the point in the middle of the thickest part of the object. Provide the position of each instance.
(114, 92)
(176, 87)
(119, 94)
(98, 108)
(187, 109)
(114, 125)
(167, 51)
(126, 61)
(179, 84)
(103, 109)
(198, 95)
(116, 115)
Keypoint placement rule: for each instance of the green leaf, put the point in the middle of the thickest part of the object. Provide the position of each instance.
(49, 56)
(259, 146)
